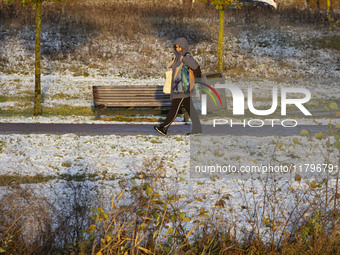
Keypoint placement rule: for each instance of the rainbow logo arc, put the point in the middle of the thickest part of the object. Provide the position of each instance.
(209, 93)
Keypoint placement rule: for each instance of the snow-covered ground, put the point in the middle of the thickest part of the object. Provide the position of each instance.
(120, 155)
(107, 161)
(256, 56)
(16, 90)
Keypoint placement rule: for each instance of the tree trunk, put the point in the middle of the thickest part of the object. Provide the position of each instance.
(328, 5)
(37, 96)
(220, 40)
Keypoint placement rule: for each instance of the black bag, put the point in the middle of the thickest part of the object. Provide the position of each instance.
(197, 71)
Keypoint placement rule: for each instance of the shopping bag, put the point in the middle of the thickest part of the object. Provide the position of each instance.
(167, 84)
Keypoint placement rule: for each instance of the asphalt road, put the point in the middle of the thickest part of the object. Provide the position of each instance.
(147, 129)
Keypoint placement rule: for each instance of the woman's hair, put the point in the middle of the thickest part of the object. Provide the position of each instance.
(175, 47)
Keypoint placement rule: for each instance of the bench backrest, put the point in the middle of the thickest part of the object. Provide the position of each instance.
(130, 96)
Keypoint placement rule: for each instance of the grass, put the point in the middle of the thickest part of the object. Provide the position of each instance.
(145, 215)
(152, 23)
(61, 110)
(21, 99)
(79, 177)
(24, 106)
(6, 180)
(62, 96)
(149, 211)
(10, 179)
(329, 42)
(130, 119)
(2, 145)
(66, 110)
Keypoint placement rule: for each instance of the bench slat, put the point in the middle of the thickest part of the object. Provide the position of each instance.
(132, 95)
(128, 85)
(142, 97)
(128, 88)
(131, 100)
(128, 101)
(146, 96)
(139, 105)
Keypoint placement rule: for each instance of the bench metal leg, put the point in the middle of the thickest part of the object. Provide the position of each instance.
(97, 114)
(186, 114)
(186, 117)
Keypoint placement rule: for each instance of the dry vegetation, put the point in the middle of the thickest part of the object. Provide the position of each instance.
(145, 216)
(137, 35)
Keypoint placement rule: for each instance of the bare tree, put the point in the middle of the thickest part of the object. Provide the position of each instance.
(220, 5)
(37, 95)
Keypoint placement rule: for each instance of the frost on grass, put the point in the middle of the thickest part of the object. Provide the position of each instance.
(260, 56)
(71, 154)
(265, 205)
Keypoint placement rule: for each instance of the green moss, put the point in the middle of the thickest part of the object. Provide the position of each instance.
(18, 179)
(25, 98)
(65, 110)
(2, 145)
(66, 164)
(130, 119)
(329, 42)
(79, 177)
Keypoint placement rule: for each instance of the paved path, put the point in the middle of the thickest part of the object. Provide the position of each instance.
(147, 129)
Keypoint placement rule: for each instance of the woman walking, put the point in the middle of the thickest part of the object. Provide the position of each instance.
(181, 88)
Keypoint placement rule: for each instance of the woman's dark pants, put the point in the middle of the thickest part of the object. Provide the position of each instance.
(174, 108)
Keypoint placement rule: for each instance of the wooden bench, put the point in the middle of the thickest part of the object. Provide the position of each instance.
(134, 99)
